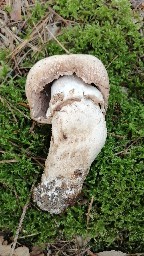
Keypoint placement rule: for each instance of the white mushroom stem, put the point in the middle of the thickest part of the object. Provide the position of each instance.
(78, 135)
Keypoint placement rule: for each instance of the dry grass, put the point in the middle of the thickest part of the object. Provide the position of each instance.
(14, 24)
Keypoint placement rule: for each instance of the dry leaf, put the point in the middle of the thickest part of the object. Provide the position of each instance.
(22, 251)
(1, 239)
(91, 253)
(5, 250)
(36, 251)
(16, 10)
(53, 29)
(2, 4)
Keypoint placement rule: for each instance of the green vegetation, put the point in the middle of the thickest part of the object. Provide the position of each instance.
(104, 29)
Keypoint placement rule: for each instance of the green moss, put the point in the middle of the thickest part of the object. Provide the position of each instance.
(106, 30)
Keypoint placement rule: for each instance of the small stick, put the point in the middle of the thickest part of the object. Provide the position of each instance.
(10, 109)
(34, 234)
(8, 161)
(2, 151)
(116, 135)
(8, 186)
(112, 61)
(12, 106)
(58, 41)
(28, 40)
(38, 162)
(21, 221)
(60, 17)
(125, 151)
(32, 127)
(89, 209)
(38, 33)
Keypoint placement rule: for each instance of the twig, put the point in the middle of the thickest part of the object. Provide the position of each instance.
(61, 18)
(31, 130)
(38, 162)
(10, 109)
(137, 6)
(38, 33)
(39, 25)
(21, 112)
(16, 66)
(116, 135)
(112, 61)
(12, 106)
(30, 154)
(58, 41)
(89, 209)
(2, 151)
(125, 151)
(43, 45)
(23, 58)
(21, 221)
(40, 158)
(8, 161)
(23, 237)
(8, 186)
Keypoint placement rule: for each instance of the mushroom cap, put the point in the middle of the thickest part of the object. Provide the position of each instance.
(38, 85)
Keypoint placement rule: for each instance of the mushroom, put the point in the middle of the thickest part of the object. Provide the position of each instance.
(71, 93)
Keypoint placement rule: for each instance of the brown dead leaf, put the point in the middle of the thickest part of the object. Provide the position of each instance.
(6, 249)
(22, 251)
(16, 10)
(36, 251)
(91, 253)
(8, 2)
(1, 240)
(137, 4)
(141, 6)
(2, 4)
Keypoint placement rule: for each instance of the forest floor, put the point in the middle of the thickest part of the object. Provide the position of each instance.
(30, 31)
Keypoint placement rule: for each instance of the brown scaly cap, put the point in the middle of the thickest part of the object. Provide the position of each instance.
(89, 68)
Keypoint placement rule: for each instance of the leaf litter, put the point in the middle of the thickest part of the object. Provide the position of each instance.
(13, 27)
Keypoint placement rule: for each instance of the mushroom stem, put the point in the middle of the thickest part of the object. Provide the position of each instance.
(78, 135)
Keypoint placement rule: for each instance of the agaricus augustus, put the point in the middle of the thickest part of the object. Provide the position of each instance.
(71, 93)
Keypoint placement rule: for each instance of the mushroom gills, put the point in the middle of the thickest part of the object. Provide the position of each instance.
(78, 135)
